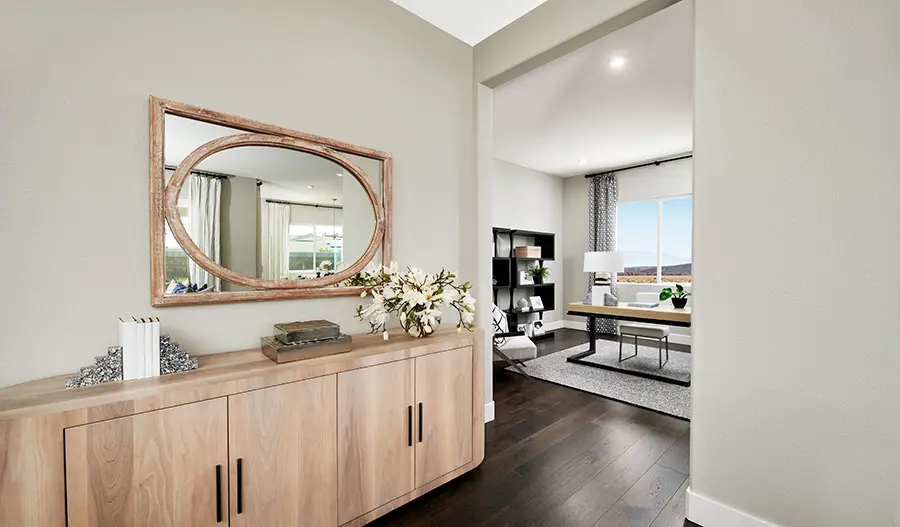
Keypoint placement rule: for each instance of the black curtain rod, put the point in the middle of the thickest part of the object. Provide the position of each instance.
(316, 205)
(642, 165)
(206, 173)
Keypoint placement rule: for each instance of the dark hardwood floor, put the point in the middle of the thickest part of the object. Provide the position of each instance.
(555, 456)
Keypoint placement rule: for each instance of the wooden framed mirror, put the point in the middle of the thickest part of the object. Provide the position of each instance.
(246, 211)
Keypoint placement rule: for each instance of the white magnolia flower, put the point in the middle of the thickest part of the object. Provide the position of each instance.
(467, 301)
(413, 297)
(448, 296)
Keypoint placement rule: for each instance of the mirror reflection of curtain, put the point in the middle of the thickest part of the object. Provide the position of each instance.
(205, 228)
(278, 220)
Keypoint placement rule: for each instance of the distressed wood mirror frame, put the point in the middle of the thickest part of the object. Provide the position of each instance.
(164, 205)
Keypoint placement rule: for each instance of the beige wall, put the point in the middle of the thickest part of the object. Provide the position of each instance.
(240, 228)
(74, 150)
(796, 382)
(522, 198)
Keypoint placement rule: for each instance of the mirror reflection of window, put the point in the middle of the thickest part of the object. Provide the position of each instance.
(176, 259)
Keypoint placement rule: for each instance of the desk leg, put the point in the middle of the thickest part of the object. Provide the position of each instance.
(592, 334)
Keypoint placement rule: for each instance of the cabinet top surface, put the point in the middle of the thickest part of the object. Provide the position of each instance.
(249, 367)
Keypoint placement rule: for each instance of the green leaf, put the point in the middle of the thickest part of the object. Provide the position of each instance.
(665, 294)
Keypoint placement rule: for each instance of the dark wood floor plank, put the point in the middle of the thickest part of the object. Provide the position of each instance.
(546, 491)
(495, 470)
(643, 502)
(546, 438)
(678, 457)
(622, 419)
(591, 501)
(674, 512)
(546, 411)
(555, 454)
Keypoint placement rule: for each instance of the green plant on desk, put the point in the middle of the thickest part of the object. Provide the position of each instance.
(679, 296)
(539, 273)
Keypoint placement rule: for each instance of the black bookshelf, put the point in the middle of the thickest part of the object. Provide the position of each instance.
(505, 270)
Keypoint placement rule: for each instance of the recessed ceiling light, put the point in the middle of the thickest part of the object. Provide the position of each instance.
(582, 161)
(310, 186)
(617, 63)
(339, 174)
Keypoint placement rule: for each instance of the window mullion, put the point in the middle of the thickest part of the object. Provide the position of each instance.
(659, 223)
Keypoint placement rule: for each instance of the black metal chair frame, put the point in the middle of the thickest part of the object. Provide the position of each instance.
(515, 363)
(661, 363)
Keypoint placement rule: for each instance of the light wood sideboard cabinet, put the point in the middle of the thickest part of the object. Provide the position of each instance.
(157, 468)
(281, 443)
(243, 442)
(444, 407)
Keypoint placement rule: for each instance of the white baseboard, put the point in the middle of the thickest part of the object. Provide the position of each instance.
(550, 326)
(489, 412)
(574, 324)
(582, 326)
(710, 513)
(680, 339)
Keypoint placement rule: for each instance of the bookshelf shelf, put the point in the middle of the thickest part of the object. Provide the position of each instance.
(506, 269)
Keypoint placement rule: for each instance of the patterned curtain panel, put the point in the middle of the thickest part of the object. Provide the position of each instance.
(603, 198)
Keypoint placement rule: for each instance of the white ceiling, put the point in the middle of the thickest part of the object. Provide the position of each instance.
(578, 108)
(469, 20)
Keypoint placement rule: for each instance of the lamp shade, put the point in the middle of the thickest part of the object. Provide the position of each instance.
(604, 262)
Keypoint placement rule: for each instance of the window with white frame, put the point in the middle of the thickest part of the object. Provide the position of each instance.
(655, 237)
(314, 248)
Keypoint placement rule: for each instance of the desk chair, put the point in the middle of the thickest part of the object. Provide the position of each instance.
(649, 331)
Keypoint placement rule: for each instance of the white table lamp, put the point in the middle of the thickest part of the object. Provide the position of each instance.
(602, 264)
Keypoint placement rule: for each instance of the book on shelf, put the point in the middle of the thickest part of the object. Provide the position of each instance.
(142, 349)
(155, 350)
(643, 304)
(129, 344)
(140, 342)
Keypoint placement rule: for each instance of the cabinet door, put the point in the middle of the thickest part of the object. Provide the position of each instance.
(159, 469)
(376, 456)
(444, 411)
(283, 463)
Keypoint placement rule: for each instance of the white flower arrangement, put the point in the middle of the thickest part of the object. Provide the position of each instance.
(414, 296)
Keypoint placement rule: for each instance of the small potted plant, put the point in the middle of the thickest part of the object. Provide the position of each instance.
(539, 273)
(679, 296)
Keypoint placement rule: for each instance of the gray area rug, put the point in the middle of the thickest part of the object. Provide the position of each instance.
(647, 360)
(655, 395)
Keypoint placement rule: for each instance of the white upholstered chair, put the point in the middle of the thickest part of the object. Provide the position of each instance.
(511, 346)
(648, 331)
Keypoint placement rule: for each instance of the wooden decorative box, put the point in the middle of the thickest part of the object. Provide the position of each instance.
(528, 251)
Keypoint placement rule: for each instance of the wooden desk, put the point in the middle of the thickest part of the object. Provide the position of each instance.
(665, 315)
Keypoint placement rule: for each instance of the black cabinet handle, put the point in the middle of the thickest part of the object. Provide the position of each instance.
(218, 493)
(240, 485)
(409, 414)
(420, 422)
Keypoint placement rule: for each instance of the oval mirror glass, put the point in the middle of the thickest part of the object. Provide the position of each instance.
(265, 212)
